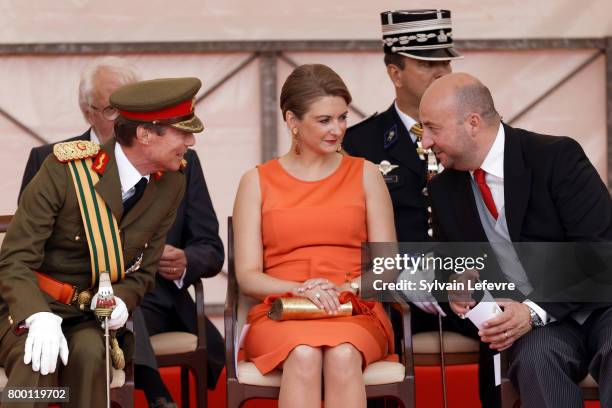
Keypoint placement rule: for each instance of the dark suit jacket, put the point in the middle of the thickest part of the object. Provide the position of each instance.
(384, 137)
(195, 230)
(552, 193)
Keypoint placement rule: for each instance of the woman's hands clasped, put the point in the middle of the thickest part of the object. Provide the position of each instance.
(323, 293)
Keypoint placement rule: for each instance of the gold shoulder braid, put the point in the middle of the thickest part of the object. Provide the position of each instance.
(76, 150)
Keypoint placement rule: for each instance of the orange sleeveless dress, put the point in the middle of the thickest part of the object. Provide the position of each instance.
(314, 229)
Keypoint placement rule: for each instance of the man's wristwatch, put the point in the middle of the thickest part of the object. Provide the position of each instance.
(535, 319)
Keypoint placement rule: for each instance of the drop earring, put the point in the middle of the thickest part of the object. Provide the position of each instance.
(296, 146)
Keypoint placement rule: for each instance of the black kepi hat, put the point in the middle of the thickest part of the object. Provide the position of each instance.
(419, 34)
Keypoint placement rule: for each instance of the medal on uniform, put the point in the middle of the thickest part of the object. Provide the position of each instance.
(136, 265)
(426, 155)
(385, 167)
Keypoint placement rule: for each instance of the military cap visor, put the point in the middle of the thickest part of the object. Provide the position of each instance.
(193, 125)
(166, 101)
(444, 54)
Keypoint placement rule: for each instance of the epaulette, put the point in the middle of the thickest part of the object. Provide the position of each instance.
(76, 150)
(366, 120)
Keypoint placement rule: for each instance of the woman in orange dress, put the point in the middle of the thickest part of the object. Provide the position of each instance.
(299, 222)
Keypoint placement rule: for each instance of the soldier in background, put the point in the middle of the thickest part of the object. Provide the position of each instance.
(389, 139)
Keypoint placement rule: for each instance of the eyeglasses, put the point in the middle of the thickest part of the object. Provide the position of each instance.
(109, 112)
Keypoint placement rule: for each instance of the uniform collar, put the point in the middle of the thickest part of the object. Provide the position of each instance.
(128, 174)
(406, 120)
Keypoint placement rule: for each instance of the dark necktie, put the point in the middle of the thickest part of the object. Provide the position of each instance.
(479, 176)
(139, 189)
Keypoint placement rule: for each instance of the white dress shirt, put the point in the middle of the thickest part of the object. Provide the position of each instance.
(93, 137)
(493, 165)
(129, 176)
(407, 121)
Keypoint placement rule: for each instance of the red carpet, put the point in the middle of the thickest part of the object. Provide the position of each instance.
(462, 384)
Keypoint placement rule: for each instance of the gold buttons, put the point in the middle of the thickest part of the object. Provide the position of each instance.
(77, 237)
(10, 319)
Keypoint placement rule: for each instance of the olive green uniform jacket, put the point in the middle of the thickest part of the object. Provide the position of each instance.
(47, 235)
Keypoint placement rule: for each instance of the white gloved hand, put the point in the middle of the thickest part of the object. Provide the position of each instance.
(119, 315)
(430, 307)
(422, 299)
(45, 341)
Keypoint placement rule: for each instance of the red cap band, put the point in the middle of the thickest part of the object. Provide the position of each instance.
(182, 109)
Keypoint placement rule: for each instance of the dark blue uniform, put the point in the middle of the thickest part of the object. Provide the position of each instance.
(384, 137)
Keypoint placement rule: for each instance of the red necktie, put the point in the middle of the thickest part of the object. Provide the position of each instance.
(479, 176)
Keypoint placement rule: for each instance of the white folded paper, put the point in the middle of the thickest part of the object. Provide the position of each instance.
(485, 310)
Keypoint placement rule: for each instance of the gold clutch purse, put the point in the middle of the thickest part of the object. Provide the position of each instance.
(298, 308)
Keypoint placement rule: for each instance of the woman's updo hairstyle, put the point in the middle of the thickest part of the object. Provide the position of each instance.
(308, 83)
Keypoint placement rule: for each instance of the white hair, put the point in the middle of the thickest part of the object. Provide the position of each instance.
(125, 72)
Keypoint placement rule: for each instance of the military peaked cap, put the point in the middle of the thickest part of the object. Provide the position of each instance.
(165, 101)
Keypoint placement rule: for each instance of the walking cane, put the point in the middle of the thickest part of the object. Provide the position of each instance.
(442, 363)
(104, 307)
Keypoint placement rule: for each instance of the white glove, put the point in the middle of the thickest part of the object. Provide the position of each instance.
(45, 341)
(422, 299)
(119, 316)
(430, 307)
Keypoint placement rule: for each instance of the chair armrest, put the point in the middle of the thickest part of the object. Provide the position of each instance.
(406, 336)
(200, 314)
(230, 316)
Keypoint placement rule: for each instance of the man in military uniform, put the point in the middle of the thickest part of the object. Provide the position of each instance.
(418, 46)
(60, 241)
(193, 247)
(389, 139)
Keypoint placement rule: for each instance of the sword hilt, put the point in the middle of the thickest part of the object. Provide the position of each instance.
(105, 299)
